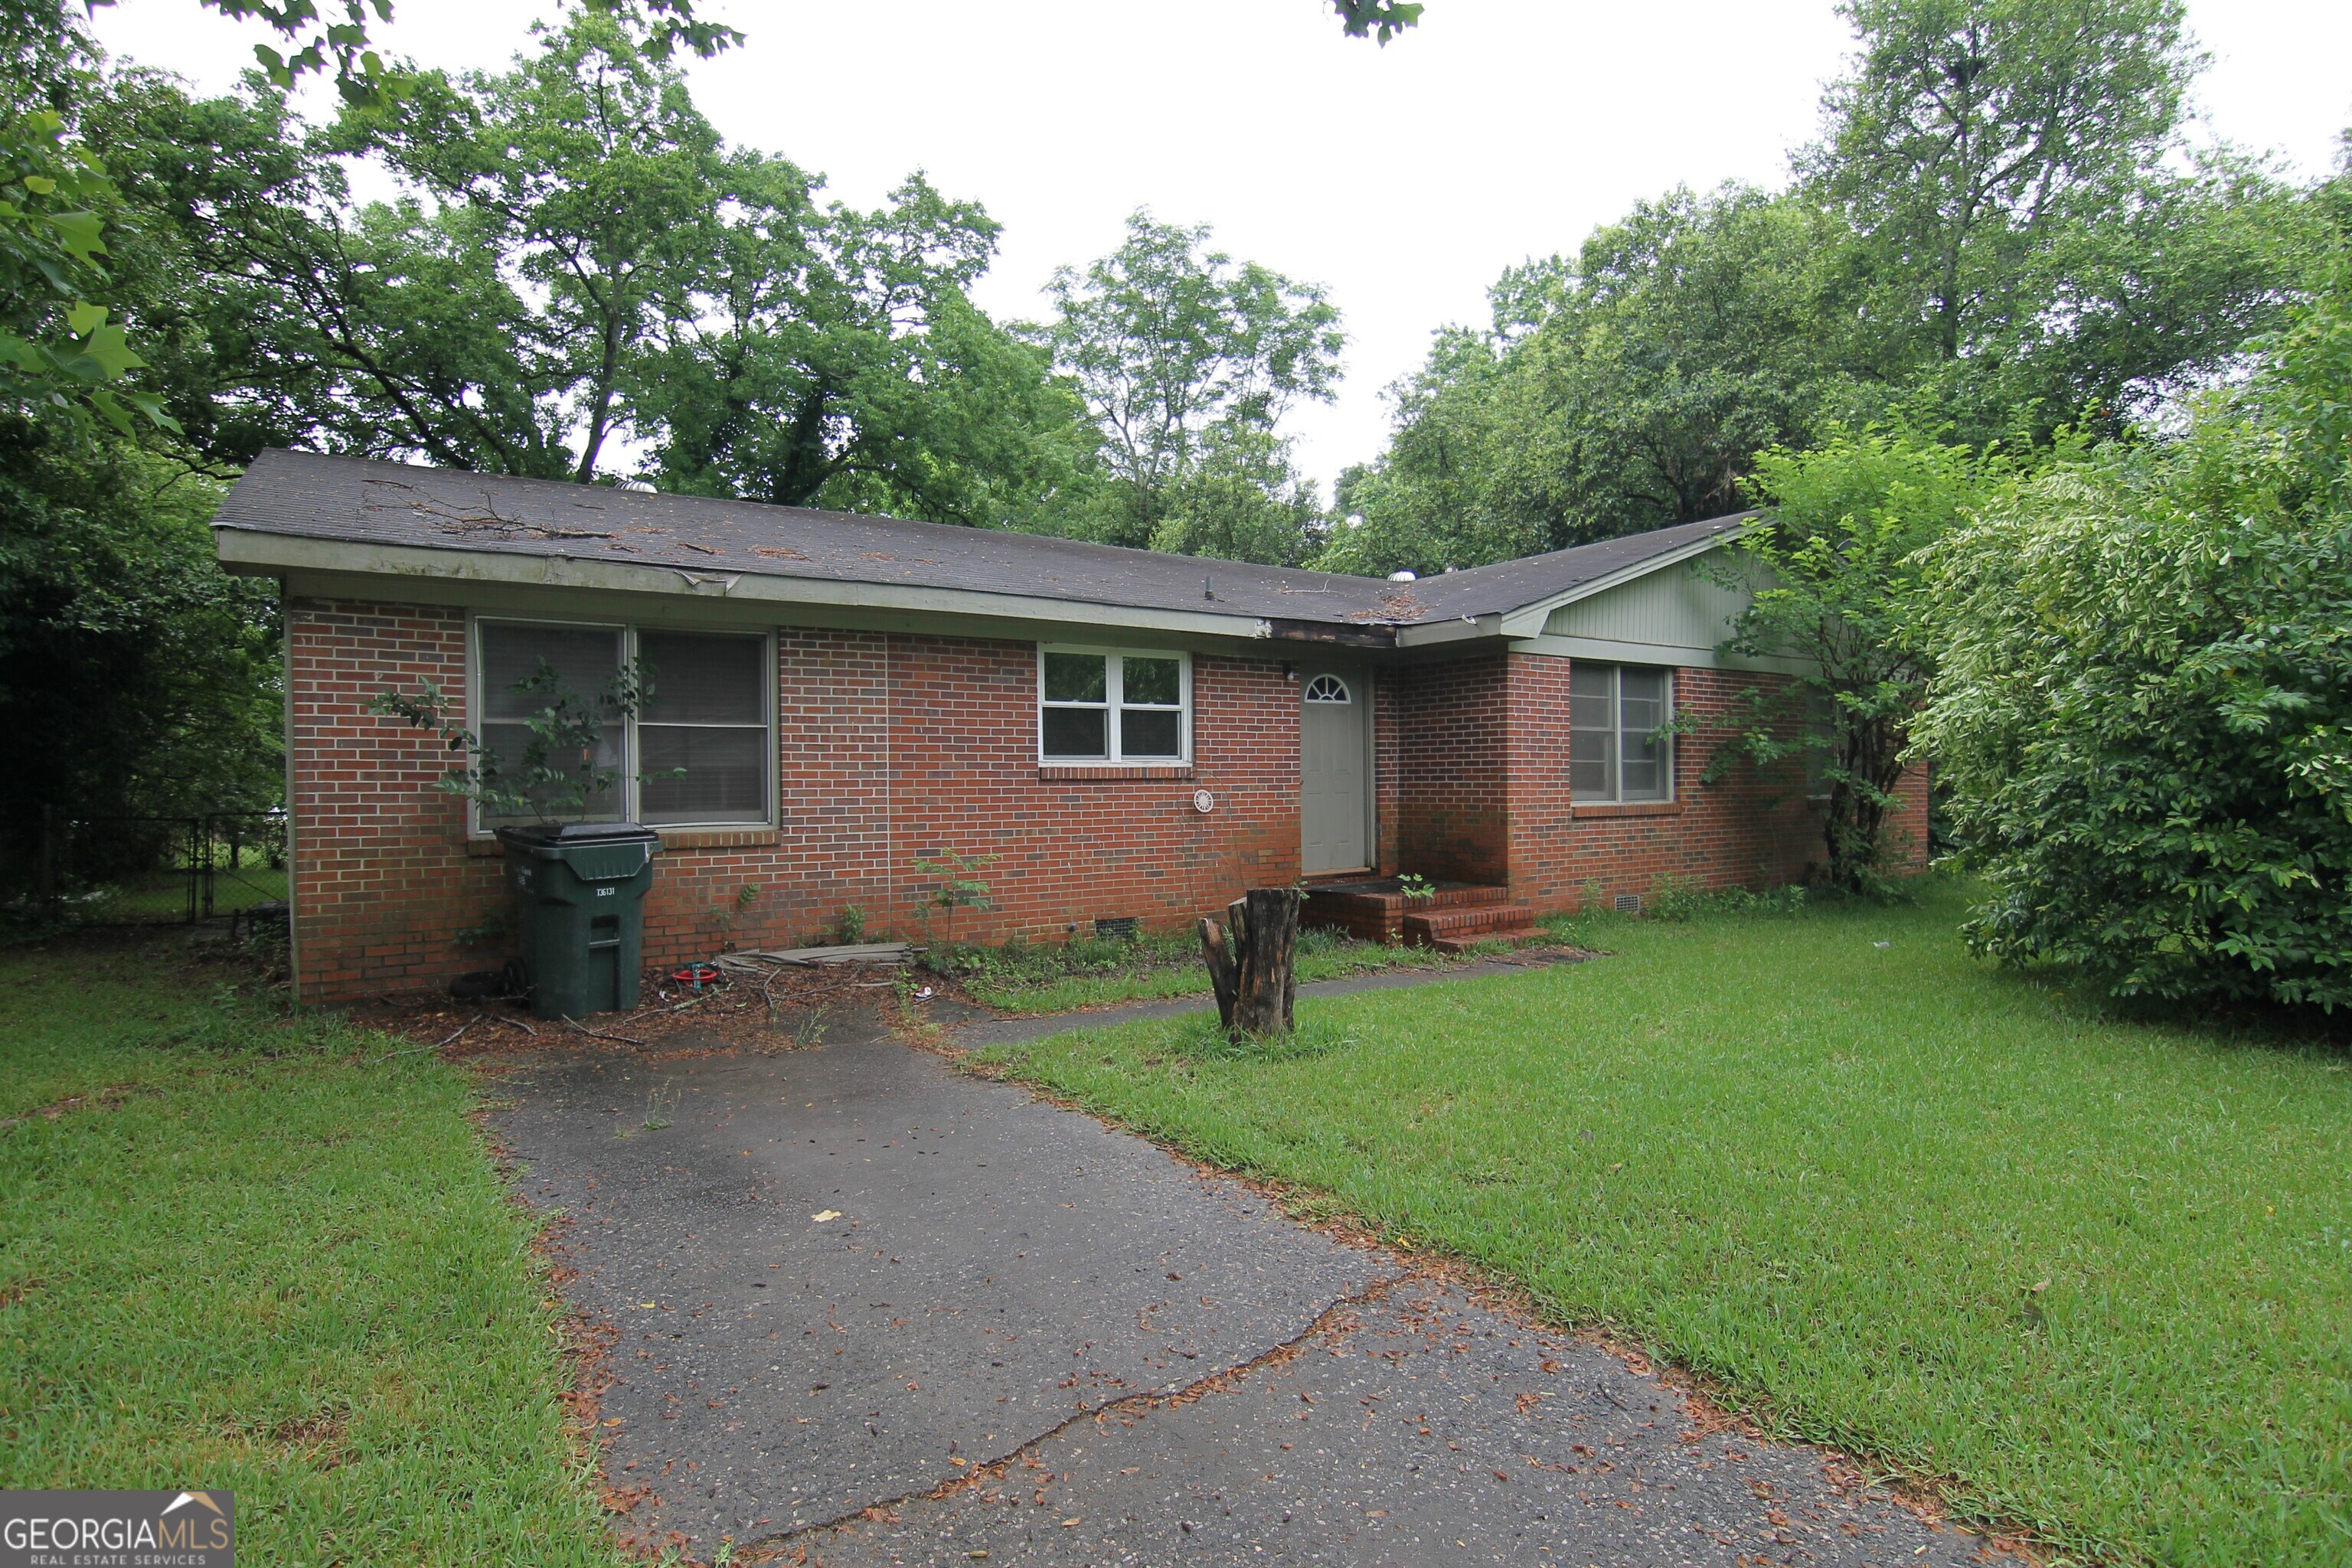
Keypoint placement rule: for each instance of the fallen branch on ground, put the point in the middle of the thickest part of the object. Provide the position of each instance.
(675, 1008)
(448, 1039)
(600, 1035)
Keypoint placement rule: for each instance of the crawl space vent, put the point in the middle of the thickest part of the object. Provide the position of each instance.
(1118, 927)
(1629, 903)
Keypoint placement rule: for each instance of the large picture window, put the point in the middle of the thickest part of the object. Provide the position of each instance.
(583, 659)
(699, 752)
(1101, 705)
(1617, 748)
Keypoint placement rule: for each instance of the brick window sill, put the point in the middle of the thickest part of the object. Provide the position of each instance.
(1073, 773)
(717, 838)
(672, 838)
(1629, 808)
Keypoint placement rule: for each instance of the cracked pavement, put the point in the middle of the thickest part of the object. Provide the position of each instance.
(872, 1309)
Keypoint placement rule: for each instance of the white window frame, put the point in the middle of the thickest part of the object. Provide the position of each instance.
(1113, 736)
(1616, 796)
(632, 786)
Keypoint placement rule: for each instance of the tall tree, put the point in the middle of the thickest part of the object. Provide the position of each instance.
(1973, 133)
(1174, 344)
(279, 313)
(820, 355)
(2025, 249)
(1625, 389)
(1243, 499)
(593, 173)
(59, 349)
(59, 354)
(2001, 232)
(577, 259)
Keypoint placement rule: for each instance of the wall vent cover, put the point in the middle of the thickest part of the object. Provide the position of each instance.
(1629, 903)
(1119, 928)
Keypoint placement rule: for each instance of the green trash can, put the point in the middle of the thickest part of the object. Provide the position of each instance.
(579, 910)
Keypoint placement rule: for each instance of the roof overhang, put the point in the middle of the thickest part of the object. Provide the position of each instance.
(252, 553)
(1461, 628)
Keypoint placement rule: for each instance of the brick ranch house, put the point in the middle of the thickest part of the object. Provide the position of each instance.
(1137, 736)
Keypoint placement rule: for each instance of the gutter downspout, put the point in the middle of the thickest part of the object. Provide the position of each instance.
(286, 687)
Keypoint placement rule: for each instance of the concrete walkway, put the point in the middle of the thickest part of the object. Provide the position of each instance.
(874, 1309)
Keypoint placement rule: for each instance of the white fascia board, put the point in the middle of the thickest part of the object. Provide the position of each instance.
(255, 554)
(1607, 650)
(1462, 628)
(1529, 620)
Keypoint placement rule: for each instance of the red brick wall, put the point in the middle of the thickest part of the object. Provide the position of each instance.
(895, 747)
(382, 883)
(1484, 745)
(1743, 830)
(1545, 845)
(1387, 769)
(888, 747)
(1452, 784)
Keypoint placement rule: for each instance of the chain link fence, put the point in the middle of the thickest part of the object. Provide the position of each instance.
(158, 870)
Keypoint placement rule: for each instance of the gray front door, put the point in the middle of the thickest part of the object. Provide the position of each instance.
(1334, 750)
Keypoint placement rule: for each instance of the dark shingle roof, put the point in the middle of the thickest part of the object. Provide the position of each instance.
(356, 500)
(1508, 584)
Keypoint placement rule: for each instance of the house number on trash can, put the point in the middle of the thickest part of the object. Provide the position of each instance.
(607, 892)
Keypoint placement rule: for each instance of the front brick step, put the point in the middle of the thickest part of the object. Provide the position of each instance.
(1375, 908)
(1464, 943)
(1453, 930)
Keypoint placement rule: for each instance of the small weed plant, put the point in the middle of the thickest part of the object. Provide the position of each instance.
(1684, 898)
(958, 886)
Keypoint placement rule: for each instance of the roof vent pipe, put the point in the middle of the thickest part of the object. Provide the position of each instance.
(1401, 577)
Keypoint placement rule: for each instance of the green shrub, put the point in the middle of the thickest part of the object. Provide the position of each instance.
(2145, 703)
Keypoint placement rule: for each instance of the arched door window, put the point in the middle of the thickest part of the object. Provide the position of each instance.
(1326, 688)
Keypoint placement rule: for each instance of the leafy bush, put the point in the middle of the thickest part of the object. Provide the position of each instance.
(2145, 703)
(1834, 567)
(136, 676)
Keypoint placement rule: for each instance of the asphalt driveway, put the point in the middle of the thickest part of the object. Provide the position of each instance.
(868, 1307)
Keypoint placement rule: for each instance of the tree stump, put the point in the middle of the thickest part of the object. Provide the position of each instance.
(1252, 961)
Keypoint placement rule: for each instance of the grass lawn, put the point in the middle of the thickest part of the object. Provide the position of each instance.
(1096, 972)
(2095, 1275)
(258, 1256)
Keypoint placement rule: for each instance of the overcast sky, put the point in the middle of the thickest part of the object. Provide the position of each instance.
(1402, 179)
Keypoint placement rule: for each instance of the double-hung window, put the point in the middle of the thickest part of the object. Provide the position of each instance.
(699, 750)
(1619, 750)
(1101, 705)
